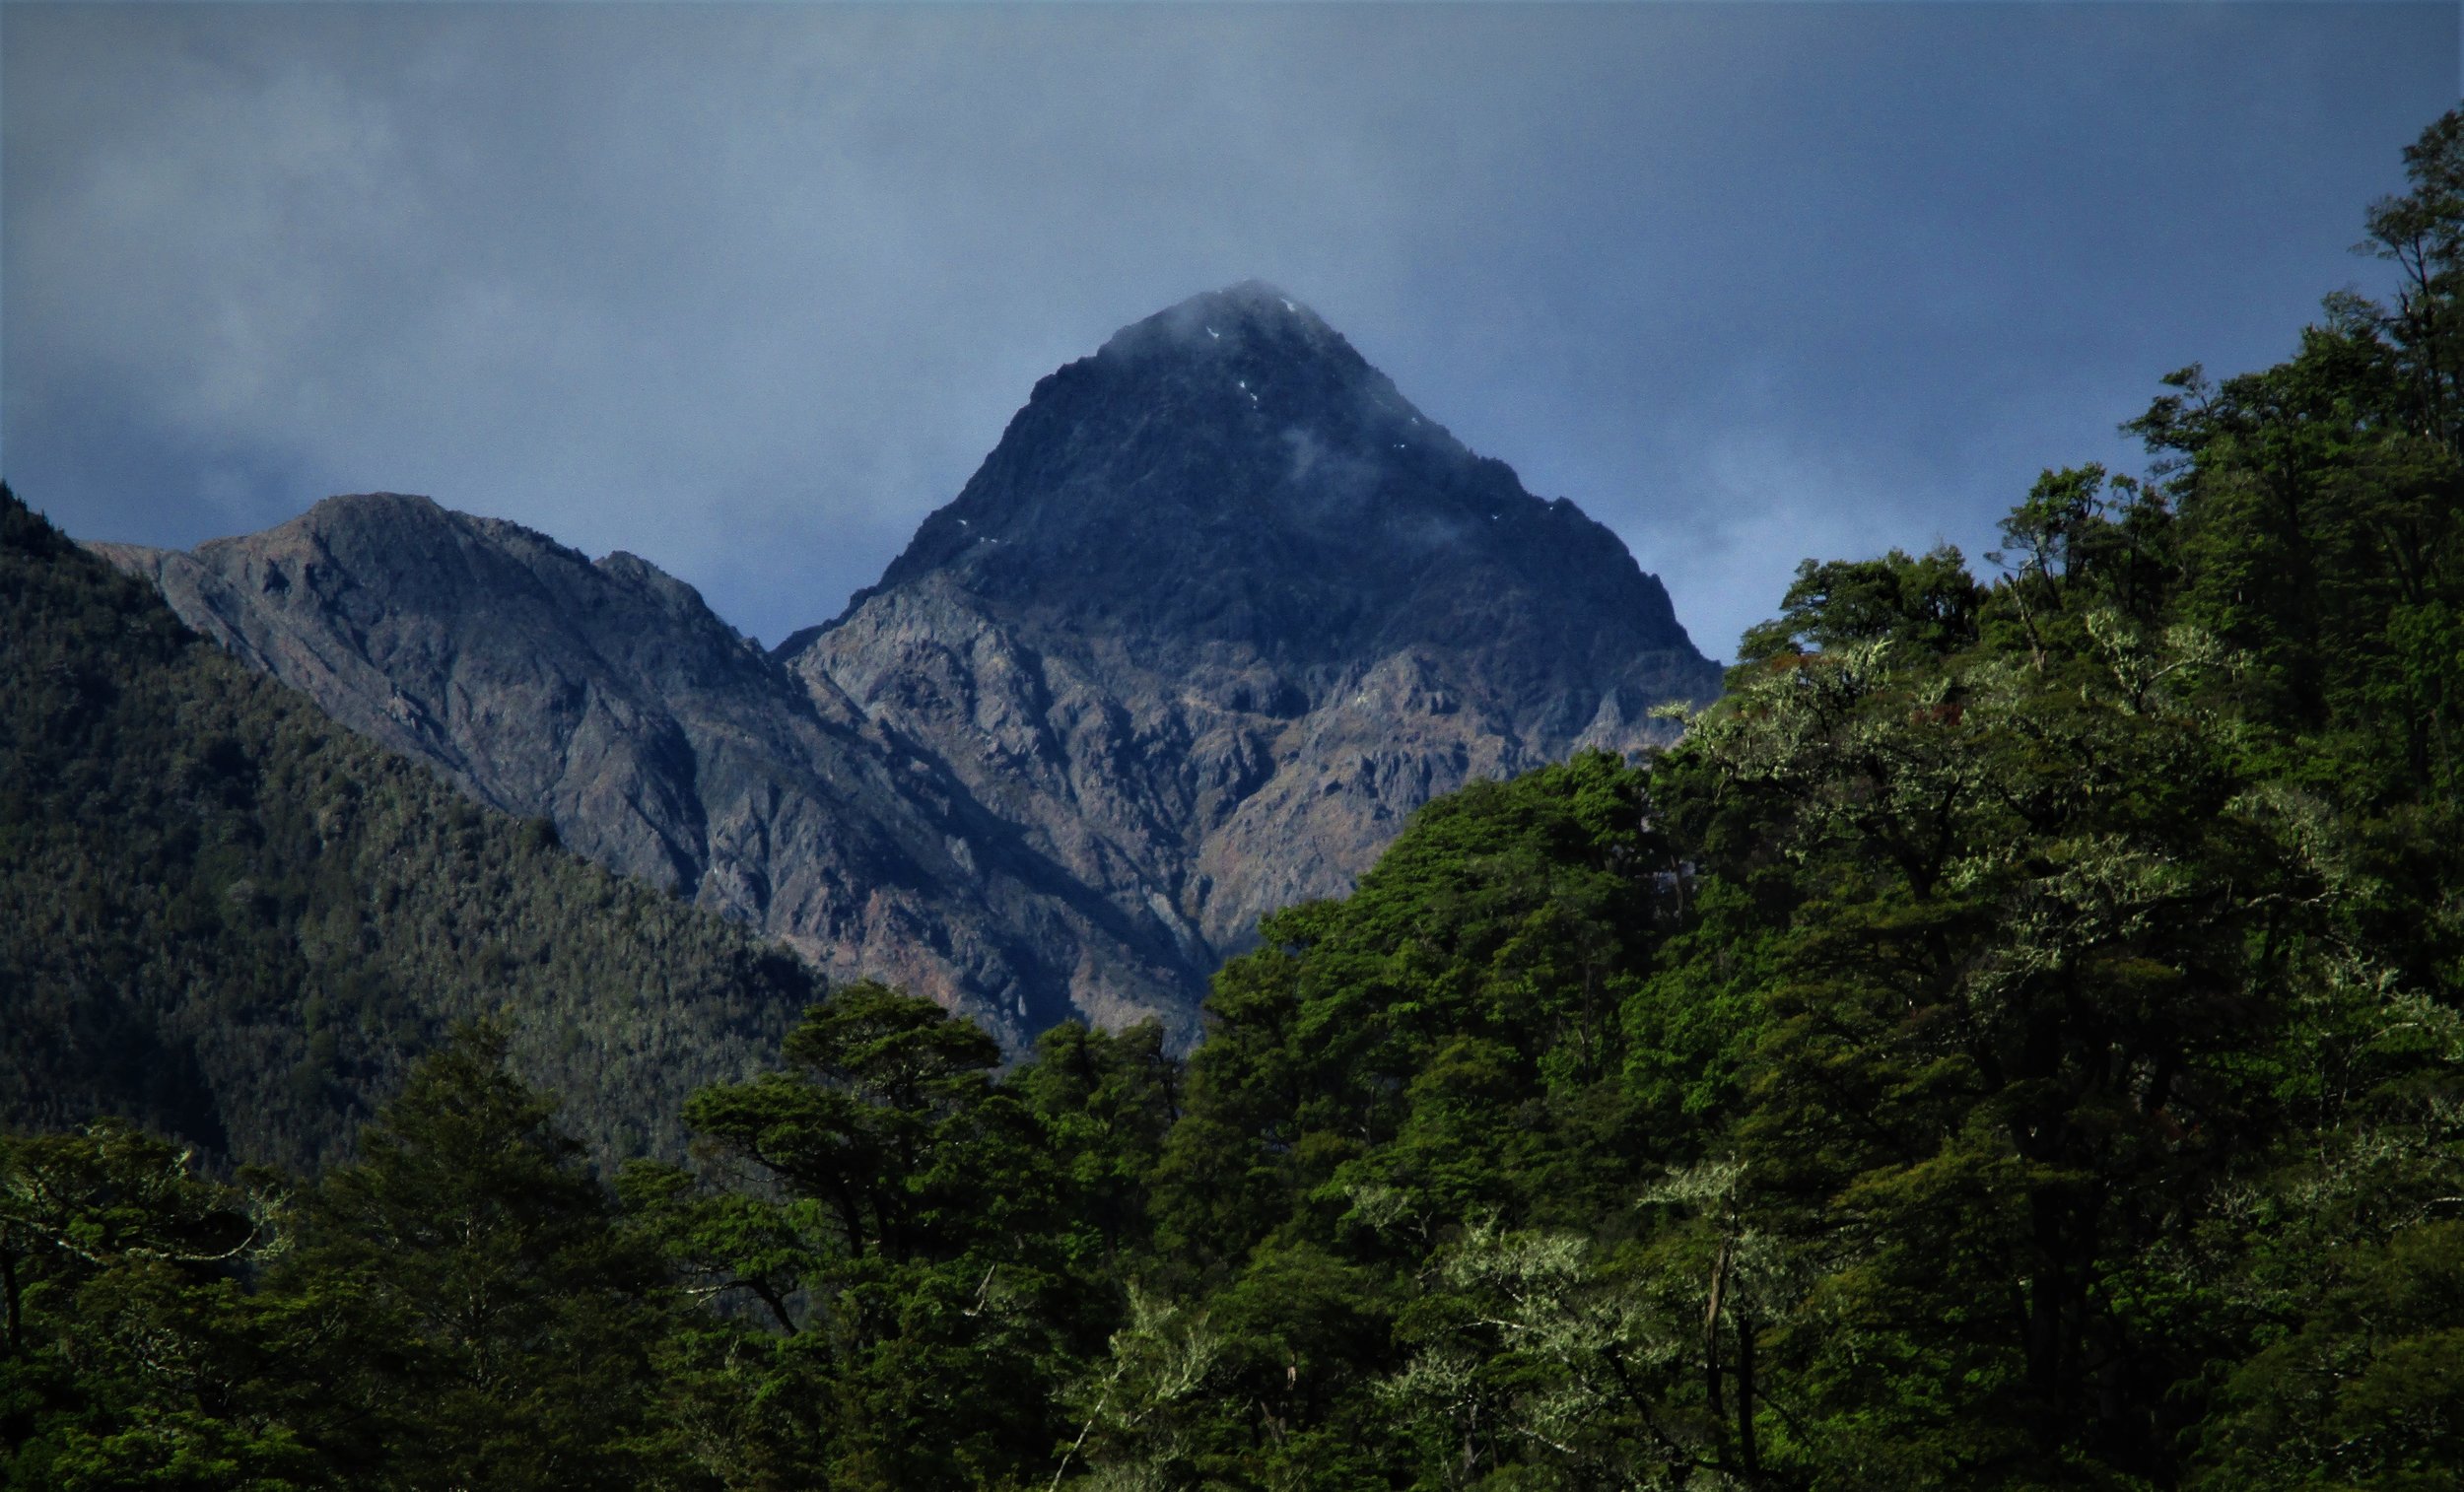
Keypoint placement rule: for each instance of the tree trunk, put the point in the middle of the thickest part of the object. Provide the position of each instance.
(1748, 1454)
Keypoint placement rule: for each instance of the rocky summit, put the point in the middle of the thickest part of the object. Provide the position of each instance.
(1222, 608)
(1216, 614)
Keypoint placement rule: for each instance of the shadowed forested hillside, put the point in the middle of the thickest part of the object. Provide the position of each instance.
(235, 921)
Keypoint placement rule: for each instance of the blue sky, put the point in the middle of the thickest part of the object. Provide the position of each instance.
(749, 289)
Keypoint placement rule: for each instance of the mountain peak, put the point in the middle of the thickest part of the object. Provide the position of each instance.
(1219, 610)
(360, 503)
(1222, 607)
(1230, 470)
(1252, 316)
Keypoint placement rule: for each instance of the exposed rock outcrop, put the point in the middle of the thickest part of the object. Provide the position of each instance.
(664, 744)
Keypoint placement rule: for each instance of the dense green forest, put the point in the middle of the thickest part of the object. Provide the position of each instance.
(232, 921)
(2012, 1041)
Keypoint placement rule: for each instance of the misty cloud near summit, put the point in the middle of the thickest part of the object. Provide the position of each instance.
(748, 291)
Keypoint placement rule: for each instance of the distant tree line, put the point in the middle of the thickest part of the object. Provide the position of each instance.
(2013, 1041)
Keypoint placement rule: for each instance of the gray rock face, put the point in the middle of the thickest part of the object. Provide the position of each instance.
(662, 743)
(1216, 614)
(1222, 608)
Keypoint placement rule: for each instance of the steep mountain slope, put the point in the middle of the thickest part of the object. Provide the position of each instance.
(1222, 608)
(1216, 614)
(225, 916)
(606, 697)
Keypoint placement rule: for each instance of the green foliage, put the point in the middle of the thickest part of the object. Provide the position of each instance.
(1445, 1048)
(1927, 603)
(127, 1359)
(1464, 1004)
(460, 1308)
(2014, 1022)
(511, 1319)
(892, 1219)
